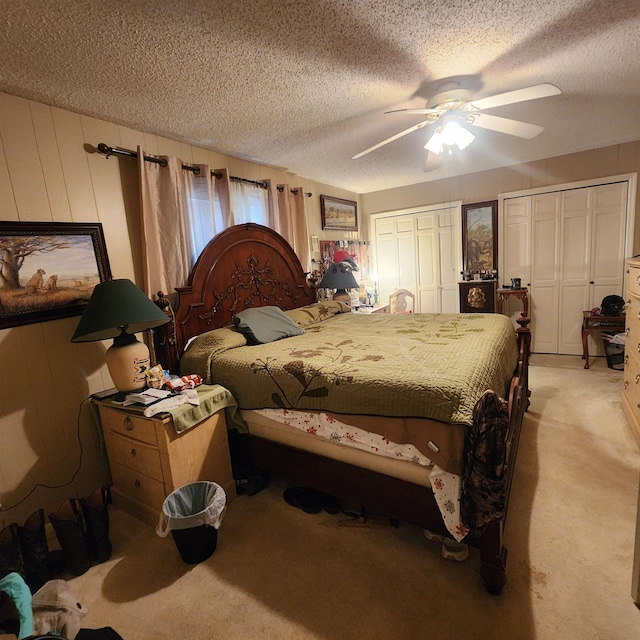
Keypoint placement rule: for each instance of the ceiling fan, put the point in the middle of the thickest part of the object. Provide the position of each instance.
(453, 106)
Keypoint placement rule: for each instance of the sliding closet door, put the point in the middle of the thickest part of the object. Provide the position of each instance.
(439, 259)
(544, 283)
(421, 251)
(576, 242)
(515, 261)
(450, 259)
(575, 268)
(395, 255)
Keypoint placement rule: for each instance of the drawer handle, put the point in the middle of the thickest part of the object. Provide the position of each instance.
(128, 424)
(637, 378)
(137, 484)
(628, 329)
(626, 360)
(626, 384)
(133, 453)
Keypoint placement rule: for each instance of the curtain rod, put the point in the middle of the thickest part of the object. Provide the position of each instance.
(107, 151)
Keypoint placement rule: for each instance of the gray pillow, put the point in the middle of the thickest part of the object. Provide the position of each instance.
(266, 324)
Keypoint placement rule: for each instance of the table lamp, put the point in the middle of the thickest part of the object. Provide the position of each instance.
(117, 309)
(339, 276)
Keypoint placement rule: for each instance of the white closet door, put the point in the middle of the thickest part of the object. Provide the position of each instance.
(609, 206)
(421, 251)
(427, 295)
(543, 302)
(450, 259)
(516, 239)
(395, 255)
(575, 268)
(576, 240)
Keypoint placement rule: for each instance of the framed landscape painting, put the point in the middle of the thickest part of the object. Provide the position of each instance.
(338, 214)
(48, 269)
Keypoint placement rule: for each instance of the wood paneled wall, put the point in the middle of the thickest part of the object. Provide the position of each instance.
(47, 453)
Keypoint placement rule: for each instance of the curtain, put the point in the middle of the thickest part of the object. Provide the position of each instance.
(249, 203)
(182, 210)
(165, 233)
(292, 221)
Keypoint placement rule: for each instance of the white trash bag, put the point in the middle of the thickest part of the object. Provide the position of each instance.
(191, 506)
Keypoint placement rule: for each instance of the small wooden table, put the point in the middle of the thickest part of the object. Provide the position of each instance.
(596, 322)
(522, 294)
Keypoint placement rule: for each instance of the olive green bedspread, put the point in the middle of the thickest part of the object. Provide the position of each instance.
(415, 365)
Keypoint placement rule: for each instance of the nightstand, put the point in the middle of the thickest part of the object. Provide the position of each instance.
(149, 459)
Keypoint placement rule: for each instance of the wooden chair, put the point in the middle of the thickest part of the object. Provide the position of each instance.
(402, 301)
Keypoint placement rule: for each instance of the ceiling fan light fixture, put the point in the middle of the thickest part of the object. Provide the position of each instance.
(435, 142)
(451, 134)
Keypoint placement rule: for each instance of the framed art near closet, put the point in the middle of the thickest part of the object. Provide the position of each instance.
(339, 214)
(48, 269)
(480, 236)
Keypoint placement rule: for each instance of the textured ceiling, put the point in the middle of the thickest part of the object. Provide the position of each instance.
(304, 84)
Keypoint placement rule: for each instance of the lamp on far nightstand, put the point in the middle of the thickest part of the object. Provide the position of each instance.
(117, 309)
(339, 276)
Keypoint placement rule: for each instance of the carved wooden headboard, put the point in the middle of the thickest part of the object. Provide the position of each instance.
(245, 266)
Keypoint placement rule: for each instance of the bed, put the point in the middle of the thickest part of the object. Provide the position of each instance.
(430, 405)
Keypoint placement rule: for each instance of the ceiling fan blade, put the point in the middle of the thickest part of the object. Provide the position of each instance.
(432, 162)
(506, 125)
(519, 95)
(422, 112)
(391, 139)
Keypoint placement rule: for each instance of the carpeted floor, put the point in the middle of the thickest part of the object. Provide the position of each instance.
(281, 573)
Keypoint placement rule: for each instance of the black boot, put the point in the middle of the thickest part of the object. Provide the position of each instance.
(35, 551)
(95, 510)
(10, 552)
(69, 528)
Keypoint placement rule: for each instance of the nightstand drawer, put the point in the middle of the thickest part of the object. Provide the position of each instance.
(140, 428)
(139, 487)
(136, 455)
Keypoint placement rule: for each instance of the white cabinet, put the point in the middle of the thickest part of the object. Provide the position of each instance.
(568, 247)
(420, 250)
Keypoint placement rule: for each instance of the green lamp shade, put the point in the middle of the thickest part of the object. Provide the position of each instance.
(114, 306)
(338, 276)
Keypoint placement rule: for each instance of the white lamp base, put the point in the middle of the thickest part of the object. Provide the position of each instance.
(127, 360)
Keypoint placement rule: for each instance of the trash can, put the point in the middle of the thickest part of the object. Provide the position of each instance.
(614, 349)
(193, 514)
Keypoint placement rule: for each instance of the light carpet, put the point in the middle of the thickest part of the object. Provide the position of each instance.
(281, 573)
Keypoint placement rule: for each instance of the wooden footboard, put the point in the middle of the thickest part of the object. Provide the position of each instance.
(493, 552)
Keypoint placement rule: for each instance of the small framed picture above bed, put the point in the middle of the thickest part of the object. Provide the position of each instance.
(339, 214)
(480, 236)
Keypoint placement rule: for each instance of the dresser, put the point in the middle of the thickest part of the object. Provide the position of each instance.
(149, 459)
(631, 387)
